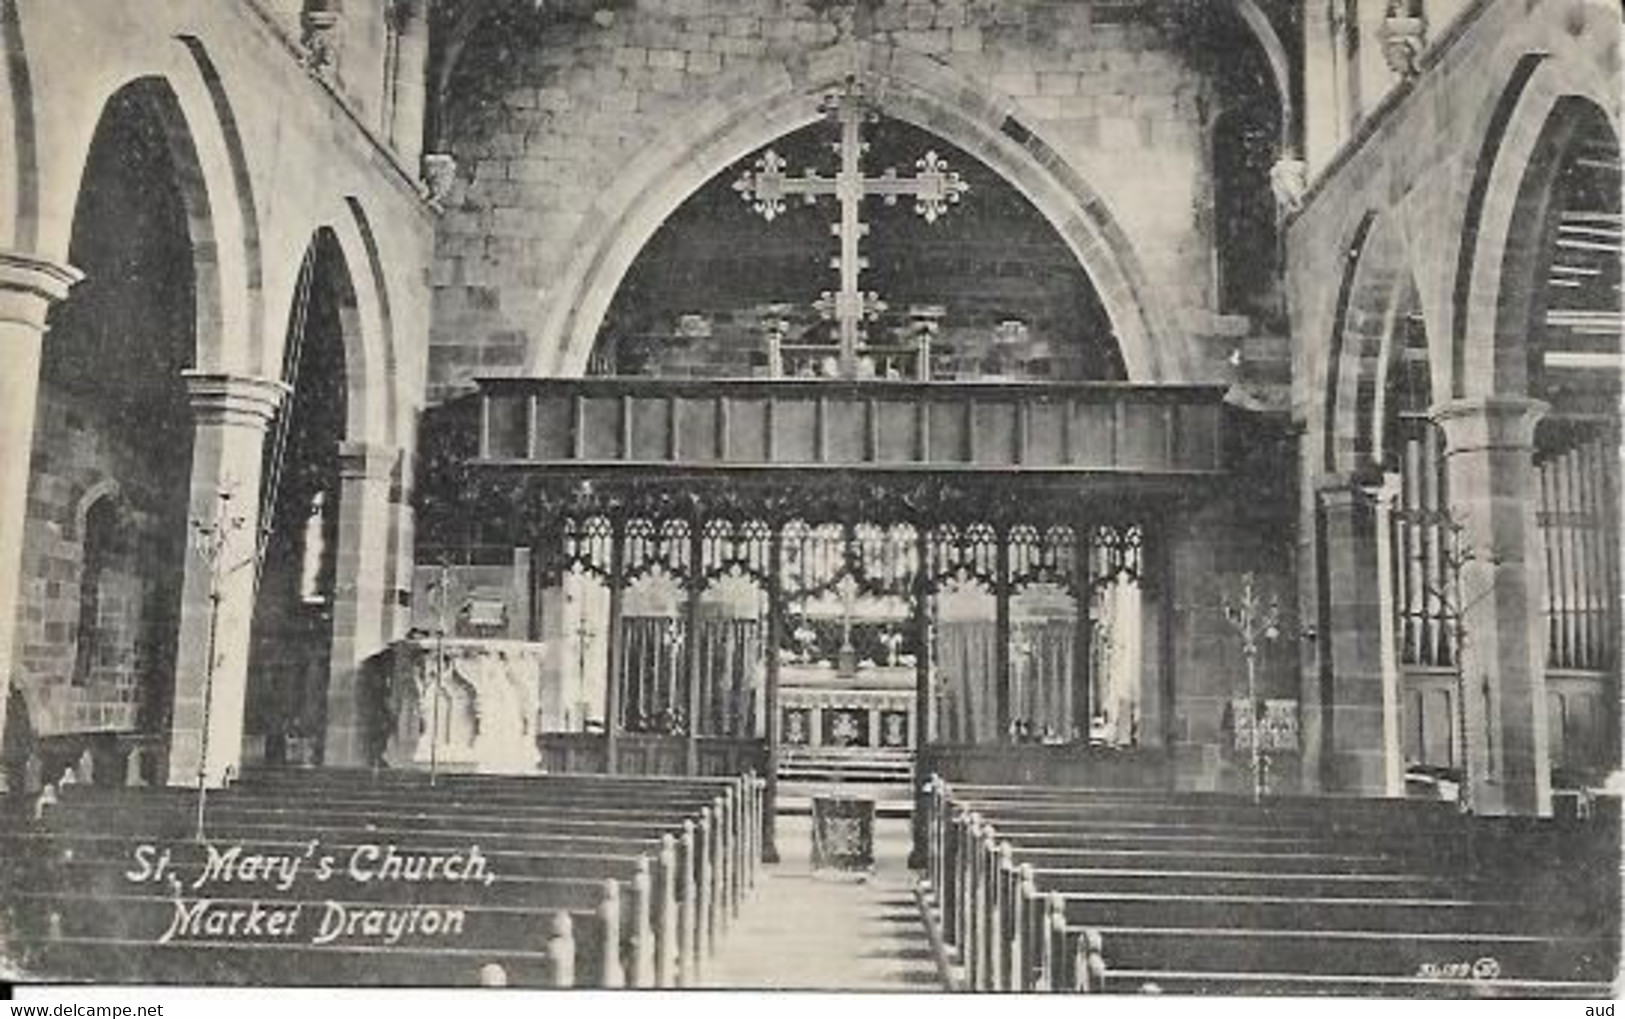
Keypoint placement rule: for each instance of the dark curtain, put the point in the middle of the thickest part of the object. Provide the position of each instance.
(1041, 700)
(967, 669)
(730, 676)
(654, 688)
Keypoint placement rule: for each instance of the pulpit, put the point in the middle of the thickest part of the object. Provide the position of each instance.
(464, 705)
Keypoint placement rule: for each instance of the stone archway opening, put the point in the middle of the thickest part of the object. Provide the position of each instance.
(113, 427)
(979, 288)
(1568, 279)
(292, 644)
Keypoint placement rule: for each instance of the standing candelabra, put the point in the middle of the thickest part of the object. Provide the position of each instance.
(212, 541)
(1254, 621)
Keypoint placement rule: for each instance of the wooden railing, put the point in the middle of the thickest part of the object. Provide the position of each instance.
(886, 425)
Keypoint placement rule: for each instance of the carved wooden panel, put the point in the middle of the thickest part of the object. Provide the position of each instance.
(944, 426)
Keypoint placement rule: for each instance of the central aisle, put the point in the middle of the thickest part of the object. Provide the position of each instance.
(829, 932)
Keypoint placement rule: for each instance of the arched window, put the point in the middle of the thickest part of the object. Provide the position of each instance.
(96, 553)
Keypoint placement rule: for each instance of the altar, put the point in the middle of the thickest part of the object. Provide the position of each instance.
(871, 708)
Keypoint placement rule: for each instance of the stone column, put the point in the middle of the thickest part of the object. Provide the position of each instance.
(29, 286)
(1205, 663)
(1360, 745)
(229, 416)
(1493, 489)
(361, 627)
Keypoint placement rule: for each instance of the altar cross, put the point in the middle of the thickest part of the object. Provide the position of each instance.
(767, 187)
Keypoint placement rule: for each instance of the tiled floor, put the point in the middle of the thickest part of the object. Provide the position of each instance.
(825, 931)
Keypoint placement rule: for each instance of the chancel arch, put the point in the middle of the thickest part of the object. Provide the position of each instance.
(746, 113)
(958, 276)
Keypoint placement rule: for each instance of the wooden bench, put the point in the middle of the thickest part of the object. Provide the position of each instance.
(1042, 889)
(592, 883)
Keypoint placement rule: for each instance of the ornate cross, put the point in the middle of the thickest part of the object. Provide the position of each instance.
(768, 186)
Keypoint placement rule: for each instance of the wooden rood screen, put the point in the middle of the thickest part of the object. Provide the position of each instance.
(1098, 428)
(998, 548)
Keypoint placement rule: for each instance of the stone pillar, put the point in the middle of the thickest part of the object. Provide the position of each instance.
(1205, 665)
(1493, 489)
(1313, 661)
(229, 416)
(361, 626)
(29, 286)
(411, 79)
(1360, 745)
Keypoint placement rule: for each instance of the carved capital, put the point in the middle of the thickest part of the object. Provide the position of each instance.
(246, 401)
(30, 285)
(1489, 422)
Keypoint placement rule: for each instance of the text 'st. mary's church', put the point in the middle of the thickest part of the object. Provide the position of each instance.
(1197, 397)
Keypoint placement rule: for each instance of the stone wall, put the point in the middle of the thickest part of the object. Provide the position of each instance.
(76, 462)
(564, 108)
(266, 156)
(1213, 553)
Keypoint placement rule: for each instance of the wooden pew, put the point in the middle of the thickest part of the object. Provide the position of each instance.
(676, 915)
(1043, 891)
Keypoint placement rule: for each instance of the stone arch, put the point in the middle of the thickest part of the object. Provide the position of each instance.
(181, 89)
(1521, 292)
(1404, 301)
(746, 111)
(221, 222)
(157, 98)
(237, 222)
(19, 173)
(1530, 115)
(344, 237)
(1279, 63)
(381, 366)
(1329, 375)
(106, 488)
(1379, 282)
(298, 586)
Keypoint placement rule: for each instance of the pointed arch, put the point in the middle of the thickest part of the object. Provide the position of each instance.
(746, 111)
(1529, 120)
(19, 173)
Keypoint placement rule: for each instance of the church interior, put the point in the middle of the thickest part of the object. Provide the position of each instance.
(992, 495)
